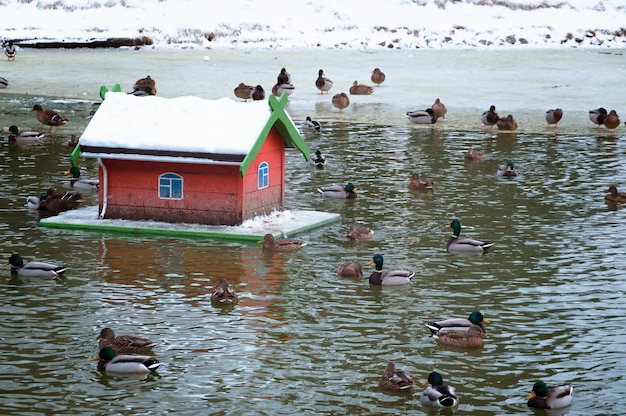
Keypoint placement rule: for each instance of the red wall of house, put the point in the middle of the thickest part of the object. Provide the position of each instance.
(212, 194)
(264, 201)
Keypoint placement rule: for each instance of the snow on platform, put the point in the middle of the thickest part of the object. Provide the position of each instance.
(279, 223)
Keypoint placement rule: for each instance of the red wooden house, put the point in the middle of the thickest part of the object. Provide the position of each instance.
(188, 159)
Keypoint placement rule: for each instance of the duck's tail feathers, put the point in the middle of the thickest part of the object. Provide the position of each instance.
(487, 245)
(433, 328)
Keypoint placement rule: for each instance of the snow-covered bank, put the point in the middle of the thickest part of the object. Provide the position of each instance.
(349, 24)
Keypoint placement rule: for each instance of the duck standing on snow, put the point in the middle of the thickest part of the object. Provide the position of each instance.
(378, 76)
(312, 124)
(552, 397)
(283, 77)
(49, 117)
(318, 159)
(388, 277)
(10, 51)
(124, 344)
(396, 380)
(438, 394)
(612, 120)
(279, 89)
(340, 101)
(427, 116)
(322, 83)
(34, 268)
(360, 89)
(597, 116)
(244, 91)
(338, 191)
(553, 116)
(258, 93)
(25, 136)
(110, 362)
(489, 118)
(439, 108)
(224, 294)
(456, 243)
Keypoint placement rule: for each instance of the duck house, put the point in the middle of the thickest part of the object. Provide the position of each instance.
(189, 160)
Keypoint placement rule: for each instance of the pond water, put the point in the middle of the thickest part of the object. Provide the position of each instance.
(303, 340)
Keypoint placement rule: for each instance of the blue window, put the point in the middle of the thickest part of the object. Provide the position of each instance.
(264, 175)
(170, 186)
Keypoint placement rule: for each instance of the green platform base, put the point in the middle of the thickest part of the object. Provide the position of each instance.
(280, 224)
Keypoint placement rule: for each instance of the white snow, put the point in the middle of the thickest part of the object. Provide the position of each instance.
(188, 123)
(356, 24)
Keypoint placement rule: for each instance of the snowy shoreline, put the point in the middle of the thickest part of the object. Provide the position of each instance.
(351, 24)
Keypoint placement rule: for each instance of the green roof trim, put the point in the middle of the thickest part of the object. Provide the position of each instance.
(285, 127)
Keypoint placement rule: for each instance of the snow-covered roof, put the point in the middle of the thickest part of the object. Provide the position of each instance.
(184, 124)
(186, 129)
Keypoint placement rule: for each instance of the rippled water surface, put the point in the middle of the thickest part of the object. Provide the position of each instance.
(303, 340)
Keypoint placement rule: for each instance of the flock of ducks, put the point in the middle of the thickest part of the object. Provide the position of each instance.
(466, 332)
(123, 354)
(322, 83)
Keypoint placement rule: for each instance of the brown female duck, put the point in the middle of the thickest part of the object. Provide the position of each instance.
(281, 244)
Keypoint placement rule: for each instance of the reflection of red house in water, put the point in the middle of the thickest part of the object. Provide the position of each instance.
(189, 160)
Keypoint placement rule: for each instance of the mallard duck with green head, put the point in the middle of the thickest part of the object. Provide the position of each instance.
(81, 183)
(337, 191)
(507, 170)
(489, 118)
(224, 294)
(475, 318)
(388, 277)
(396, 380)
(110, 362)
(552, 397)
(34, 268)
(322, 83)
(15, 135)
(461, 336)
(124, 344)
(438, 394)
(456, 243)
